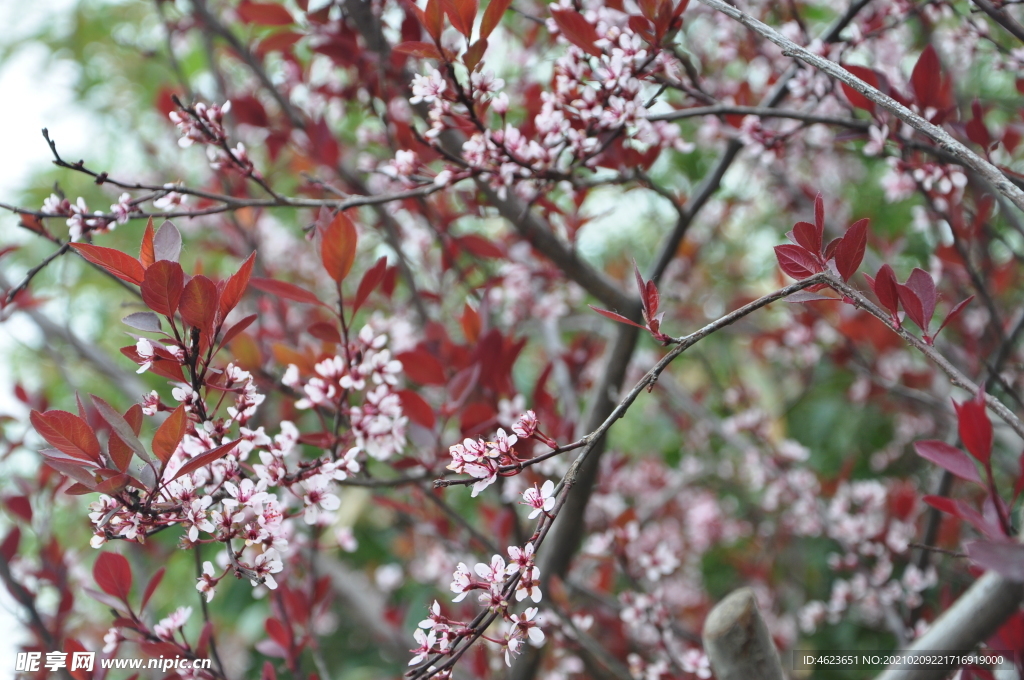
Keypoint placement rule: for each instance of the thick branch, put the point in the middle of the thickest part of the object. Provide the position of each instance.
(971, 619)
(737, 640)
(1011, 25)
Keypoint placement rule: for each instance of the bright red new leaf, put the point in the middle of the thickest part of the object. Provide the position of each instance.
(67, 433)
(797, 262)
(170, 434)
(162, 286)
(147, 255)
(199, 302)
(577, 30)
(492, 16)
(975, 427)
(948, 458)
(235, 286)
(113, 575)
(281, 289)
(850, 251)
(338, 246)
(264, 13)
(371, 279)
(121, 265)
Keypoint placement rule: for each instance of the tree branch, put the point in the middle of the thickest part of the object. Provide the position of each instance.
(986, 170)
(763, 112)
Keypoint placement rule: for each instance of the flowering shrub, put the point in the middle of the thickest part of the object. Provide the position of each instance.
(361, 281)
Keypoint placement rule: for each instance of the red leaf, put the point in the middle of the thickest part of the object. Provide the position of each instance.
(615, 317)
(146, 253)
(327, 332)
(199, 304)
(277, 42)
(371, 279)
(166, 368)
(288, 291)
(72, 647)
(10, 545)
(433, 18)
(422, 367)
(653, 299)
(856, 98)
(162, 286)
(830, 249)
(923, 286)
(20, 506)
(236, 329)
(264, 13)
(1004, 558)
(67, 433)
(964, 512)
(948, 458)
(151, 586)
(170, 434)
(926, 78)
(640, 25)
(577, 30)
(911, 303)
(235, 286)
(953, 314)
(418, 410)
(120, 453)
(323, 146)
(462, 14)
(492, 16)
(807, 236)
(975, 427)
(884, 285)
(121, 265)
(797, 262)
(471, 324)
(204, 459)
(819, 213)
(422, 50)
(641, 288)
(850, 251)
(474, 53)
(338, 246)
(113, 485)
(277, 631)
(113, 575)
(975, 128)
(479, 246)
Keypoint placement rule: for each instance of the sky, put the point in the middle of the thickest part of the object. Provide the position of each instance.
(38, 94)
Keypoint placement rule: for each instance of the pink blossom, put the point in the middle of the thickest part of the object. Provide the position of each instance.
(541, 500)
(427, 88)
(526, 425)
(166, 628)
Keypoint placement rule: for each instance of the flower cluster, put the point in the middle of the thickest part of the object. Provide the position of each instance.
(485, 460)
(249, 508)
(360, 386)
(203, 125)
(80, 221)
(494, 581)
(593, 101)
